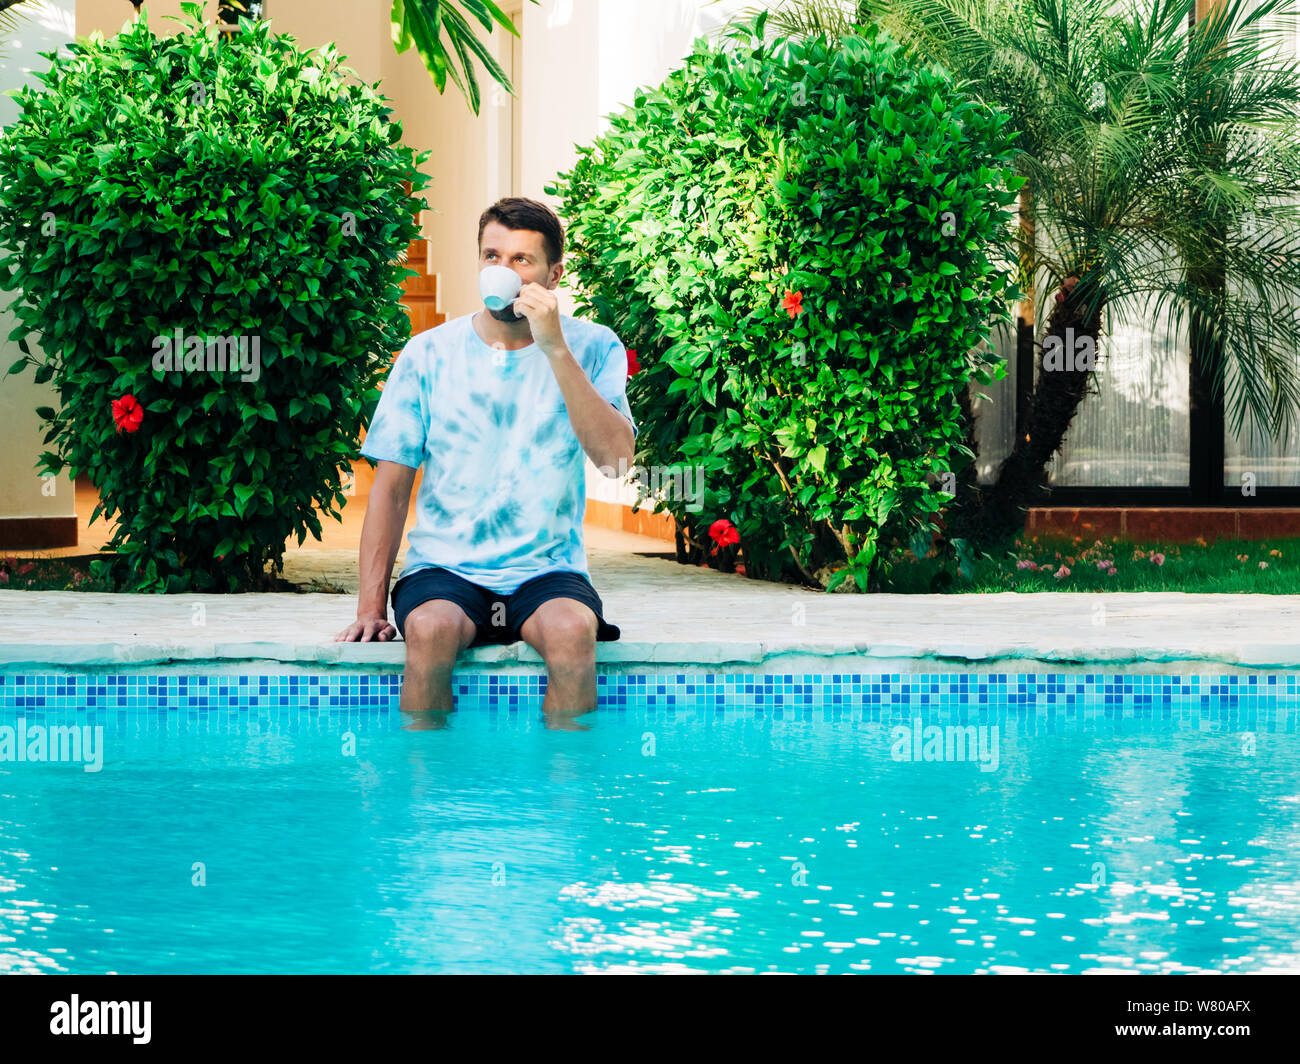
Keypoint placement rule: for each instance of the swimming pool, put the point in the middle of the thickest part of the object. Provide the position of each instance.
(955, 822)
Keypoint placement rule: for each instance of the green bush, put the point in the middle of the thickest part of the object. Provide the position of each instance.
(876, 192)
(209, 190)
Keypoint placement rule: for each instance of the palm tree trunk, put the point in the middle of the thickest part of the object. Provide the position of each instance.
(1057, 395)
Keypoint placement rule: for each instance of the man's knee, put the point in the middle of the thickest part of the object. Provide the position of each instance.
(438, 626)
(566, 629)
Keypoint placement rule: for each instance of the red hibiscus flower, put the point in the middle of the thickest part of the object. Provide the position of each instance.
(127, 413)
(633, 366)
(792, 303)
(723, 533)
(1067, 286)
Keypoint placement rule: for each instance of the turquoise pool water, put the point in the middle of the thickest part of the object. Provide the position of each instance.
(711, 839)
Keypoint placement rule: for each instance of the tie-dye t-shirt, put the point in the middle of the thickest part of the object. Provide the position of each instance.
(503, 494)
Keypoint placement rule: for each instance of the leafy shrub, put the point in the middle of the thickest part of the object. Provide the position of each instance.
(206, 190)
(802, 242)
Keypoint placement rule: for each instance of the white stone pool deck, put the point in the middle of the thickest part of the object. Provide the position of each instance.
(673, 615)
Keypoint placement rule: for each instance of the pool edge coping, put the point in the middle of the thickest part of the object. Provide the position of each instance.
(715, 656)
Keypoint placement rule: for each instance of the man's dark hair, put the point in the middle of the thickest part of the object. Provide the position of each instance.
(515, 212)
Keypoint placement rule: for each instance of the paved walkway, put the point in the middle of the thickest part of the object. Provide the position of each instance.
(669, 614)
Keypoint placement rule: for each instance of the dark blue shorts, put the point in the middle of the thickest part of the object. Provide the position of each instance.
(479, 603)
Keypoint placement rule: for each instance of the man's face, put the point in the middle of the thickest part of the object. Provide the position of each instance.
(523, 251)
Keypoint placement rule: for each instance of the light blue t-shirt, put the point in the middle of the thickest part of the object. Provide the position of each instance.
(503, 494)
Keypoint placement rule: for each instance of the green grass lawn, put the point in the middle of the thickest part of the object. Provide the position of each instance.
(1042, 563)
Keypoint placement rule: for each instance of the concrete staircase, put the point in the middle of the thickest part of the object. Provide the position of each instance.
(420, 296)
(420, 300)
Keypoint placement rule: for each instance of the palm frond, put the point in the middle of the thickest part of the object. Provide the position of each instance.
(422, 24)
(13, 14)
(801, 18)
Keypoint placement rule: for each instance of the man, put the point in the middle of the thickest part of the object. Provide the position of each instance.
(498, 408)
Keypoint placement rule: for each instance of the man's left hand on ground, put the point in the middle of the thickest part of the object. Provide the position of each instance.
(539, 305)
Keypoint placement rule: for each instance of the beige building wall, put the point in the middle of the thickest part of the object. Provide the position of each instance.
(32, 509)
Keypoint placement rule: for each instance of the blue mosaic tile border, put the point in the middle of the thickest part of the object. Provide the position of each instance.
(1090, 693)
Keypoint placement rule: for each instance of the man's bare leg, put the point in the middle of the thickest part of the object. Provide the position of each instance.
(436, 632)
(563, 632)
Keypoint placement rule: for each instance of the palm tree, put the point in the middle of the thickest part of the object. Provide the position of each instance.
(1162, 158)
(422, 23)
(8, 21)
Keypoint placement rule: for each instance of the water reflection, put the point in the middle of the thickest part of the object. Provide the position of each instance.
(652, 841)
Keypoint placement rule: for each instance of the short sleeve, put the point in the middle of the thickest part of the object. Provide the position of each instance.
(398, 431)
(610, 377)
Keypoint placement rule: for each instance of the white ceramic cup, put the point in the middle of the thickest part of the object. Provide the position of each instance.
(499, 286)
